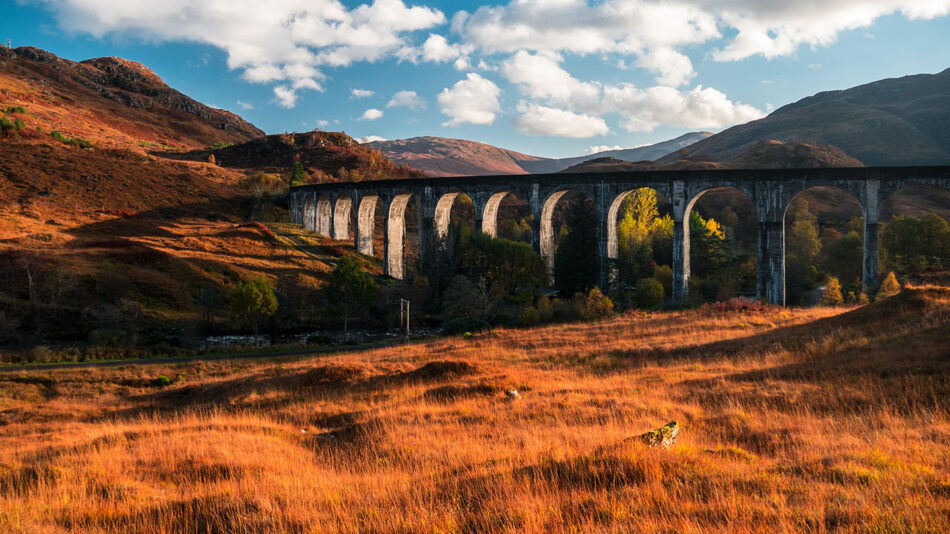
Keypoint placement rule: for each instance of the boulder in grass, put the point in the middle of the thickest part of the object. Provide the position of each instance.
(663, 437)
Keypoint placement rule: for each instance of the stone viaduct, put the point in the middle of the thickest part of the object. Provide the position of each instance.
(339, 209)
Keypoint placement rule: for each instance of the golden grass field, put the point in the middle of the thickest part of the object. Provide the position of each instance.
(821, 419)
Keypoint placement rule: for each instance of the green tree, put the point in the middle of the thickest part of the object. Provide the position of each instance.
(577, 261)
(843, 258)
(298, 176)
(349, 290)
(649, 292)
(253, 301)
(832, 294)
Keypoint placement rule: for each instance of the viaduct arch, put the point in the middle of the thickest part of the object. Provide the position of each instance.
(771, 192)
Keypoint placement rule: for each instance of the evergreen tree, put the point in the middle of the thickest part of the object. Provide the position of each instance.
(577, 261)
(298, 176)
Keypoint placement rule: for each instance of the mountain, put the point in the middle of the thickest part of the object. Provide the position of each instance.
(769, 154)
(643, 153)
(111, 102)
(442, 156)
(896, 121)
(325, 156)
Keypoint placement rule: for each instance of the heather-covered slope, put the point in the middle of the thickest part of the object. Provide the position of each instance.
(110, 101)
(897, 121)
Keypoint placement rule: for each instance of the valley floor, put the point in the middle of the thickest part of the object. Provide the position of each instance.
(820, 419)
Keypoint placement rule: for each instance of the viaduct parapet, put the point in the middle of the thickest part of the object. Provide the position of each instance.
(340, 209)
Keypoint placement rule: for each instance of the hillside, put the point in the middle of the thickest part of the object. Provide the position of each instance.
(441, 156)
(110, 101)
(819, 419)
(897, 121)
(326, 156)
(768, 154)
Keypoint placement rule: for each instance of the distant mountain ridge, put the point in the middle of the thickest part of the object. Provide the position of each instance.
(890, 122)
(442, 156)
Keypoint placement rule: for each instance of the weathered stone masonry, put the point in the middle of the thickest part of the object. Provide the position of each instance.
(333, 209)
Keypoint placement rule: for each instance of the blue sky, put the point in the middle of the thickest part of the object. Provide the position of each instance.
(545, 77)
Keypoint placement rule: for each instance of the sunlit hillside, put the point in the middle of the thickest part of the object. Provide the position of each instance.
(813, 419)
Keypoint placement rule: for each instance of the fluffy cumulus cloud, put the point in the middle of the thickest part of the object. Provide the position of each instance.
(701, 107)
(371, 114)
(472, 100)
(369, 139)
(285, 42)
(406, 99)
(534, 119)
(362, 93)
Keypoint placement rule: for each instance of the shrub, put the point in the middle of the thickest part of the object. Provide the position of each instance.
(889, 287)
(163, 381)
(16, 109)
(530, 317)
(39, 353)
(598, 305)
(649, 292)
(832, 294)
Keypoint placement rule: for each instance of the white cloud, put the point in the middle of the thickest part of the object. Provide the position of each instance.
(541, 77)
(596, 149)
(437, 48)
(245, 105)
(369, 139)
(643, 110)
(362, 93)
(473, 100)
(655, 31)
(284, 42)
(285, 96)
(323, 123)
(371, 114)
(540, 120)
(406, 99)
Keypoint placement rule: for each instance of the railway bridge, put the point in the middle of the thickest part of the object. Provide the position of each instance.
(342, 210)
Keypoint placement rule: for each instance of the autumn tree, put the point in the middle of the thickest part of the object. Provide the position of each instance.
(252, 302)
(832, 295)
(889, 287)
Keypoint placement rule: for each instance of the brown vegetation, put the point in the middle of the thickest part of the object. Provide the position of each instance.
(791, 420)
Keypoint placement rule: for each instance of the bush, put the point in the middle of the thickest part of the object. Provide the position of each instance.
(650, 292)
(163, 381)
(111, 337)
(16, 109)
(530, 317)
(39, 354)
(598, 305)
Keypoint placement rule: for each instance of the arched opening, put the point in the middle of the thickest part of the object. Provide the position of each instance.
(309, 220)
(324, 222)
(639, 245)
(343, 218)
(824, 239)
(721, 233)
(370, 222)
(570, 227)
(402, 239)
(914, 234)
(453, 208)
(507, 216)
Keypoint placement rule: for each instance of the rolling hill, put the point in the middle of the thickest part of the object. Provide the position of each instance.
(442, 156)
(896, 121)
